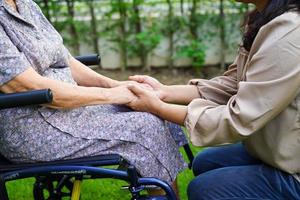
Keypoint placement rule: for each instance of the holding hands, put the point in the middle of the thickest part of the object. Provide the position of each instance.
(145, 100)
(148, 93)
(122, 95)
(154, 100)
(156, 86)
(141, 93)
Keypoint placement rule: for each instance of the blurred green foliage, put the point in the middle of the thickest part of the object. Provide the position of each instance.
(136, 28)
(194, 50)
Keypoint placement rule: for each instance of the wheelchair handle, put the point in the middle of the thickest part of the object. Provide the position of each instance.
(25, 98)
(93, 59)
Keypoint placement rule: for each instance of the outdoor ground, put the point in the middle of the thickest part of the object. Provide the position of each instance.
(110, 189)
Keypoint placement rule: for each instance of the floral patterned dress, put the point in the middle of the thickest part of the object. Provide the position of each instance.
(37, 133)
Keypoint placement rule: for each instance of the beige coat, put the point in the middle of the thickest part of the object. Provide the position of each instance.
(257, 100)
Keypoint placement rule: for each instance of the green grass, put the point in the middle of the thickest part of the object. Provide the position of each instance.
(107, 189)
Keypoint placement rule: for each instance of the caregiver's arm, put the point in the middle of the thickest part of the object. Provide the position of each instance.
(172, 112)
(219, 89)
(272, 84)
(180, 94)
(66, 95)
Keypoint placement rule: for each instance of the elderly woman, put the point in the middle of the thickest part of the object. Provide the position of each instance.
(257, 101)
(81, 120)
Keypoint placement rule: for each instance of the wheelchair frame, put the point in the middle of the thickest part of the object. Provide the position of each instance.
(69, 173)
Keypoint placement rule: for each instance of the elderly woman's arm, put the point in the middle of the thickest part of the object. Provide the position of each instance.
(85, 76)
(67, 95)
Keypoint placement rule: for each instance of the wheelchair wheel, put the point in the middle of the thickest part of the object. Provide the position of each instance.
(53, 188)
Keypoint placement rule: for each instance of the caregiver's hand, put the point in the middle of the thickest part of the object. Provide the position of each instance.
(131, 82)
(154, 83)
(145, 100)
(148, 101)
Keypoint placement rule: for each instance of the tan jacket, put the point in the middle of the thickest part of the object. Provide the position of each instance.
(257, 100)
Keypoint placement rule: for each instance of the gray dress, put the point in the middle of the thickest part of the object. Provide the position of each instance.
(36, 133)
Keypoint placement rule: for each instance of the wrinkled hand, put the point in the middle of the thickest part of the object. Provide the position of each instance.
(122, 95)
(150, 81)
(145, 100)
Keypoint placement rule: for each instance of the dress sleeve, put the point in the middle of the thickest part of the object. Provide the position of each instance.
(43, 19)
(272, 83)
(12, 61)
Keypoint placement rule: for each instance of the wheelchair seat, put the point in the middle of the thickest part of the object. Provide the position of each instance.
(101, 160)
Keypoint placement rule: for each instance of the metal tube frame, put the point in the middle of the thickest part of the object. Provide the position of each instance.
(137, 184)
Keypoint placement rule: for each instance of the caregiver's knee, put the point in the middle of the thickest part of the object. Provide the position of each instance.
(202, 163)
(193, 190)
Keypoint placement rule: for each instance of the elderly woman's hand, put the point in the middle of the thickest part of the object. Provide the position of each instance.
(122, 95)
(145, 100)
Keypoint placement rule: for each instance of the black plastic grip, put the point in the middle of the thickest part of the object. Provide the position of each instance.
(93, 59)
(25, 98)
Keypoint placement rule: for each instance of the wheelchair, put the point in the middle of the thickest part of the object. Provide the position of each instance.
(57, 180)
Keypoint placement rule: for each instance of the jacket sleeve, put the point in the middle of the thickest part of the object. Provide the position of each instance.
(272, 82)
(218, 89)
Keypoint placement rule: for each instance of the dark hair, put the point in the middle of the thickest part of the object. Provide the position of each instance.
(255, 19)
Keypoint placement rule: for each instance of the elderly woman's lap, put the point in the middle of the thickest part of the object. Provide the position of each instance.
(141, 138)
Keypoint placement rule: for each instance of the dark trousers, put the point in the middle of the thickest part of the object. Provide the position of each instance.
(230, 173)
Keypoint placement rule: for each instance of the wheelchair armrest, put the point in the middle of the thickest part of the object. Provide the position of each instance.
(93, 59)
(25, 98)
(39, 96)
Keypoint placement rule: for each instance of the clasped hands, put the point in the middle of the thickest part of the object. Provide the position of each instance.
(141, 93)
